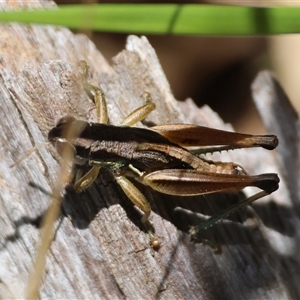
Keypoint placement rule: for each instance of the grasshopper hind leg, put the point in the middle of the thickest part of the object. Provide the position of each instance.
(267, 182)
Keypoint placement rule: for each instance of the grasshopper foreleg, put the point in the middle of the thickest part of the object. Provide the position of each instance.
(98, 95)
(102, 117)
(141, 112)
(137, 115)
(83, 182)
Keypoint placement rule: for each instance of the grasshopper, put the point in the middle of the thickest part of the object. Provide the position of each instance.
(159, 157)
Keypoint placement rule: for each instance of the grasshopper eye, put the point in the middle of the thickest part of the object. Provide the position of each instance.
(67, 126)
(63, 145)
(66, 120)
(57, 131)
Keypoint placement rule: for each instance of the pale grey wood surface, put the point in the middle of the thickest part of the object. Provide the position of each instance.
(100, 250)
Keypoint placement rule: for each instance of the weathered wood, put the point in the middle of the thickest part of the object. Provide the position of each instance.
(100, 249)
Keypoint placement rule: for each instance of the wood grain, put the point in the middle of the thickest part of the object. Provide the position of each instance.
(100, 250)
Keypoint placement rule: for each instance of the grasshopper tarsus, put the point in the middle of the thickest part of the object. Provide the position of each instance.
(154, 242)
(217, 248)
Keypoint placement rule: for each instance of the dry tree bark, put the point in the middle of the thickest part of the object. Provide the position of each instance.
(100, 249)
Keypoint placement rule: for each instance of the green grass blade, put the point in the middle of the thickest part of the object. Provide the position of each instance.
(237, 20)
(166, 18)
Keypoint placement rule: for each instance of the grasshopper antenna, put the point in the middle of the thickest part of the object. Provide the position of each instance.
(29, 152)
